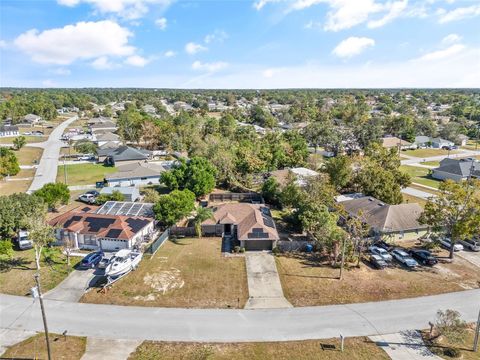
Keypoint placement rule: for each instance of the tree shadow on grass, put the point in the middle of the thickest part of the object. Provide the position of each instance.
(20, 263)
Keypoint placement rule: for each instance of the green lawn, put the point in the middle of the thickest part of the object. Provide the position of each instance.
(424, 153)
(84, 174)
(29, 139)
(431, 163)
(420, 175)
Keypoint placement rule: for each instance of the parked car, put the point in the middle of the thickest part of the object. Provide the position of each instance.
(447, 244)
(87, 198)
(471, 244)
(402, 257)
(37, 132)
(93, 192)
(384, 245)
(425, 257)
(22, 240)
(27, 133)
(375, 250)
(92, 259)
(86, 157)
(377, 261)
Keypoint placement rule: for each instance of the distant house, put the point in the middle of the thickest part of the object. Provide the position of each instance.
(8, 130)
(32, 119)
(138, 173)
(107, 126)
(457, 170)
(251, 224)
(149, 109)
(121, 154)
(422, 141)
(301, 175)
(130, 193)
(112, 227)
(461, 140)
(98, 120)
(396, 222)
(394, 142)
(107, 137)
(439, 143)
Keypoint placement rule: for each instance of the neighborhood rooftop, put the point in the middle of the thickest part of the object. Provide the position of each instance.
(126, 208)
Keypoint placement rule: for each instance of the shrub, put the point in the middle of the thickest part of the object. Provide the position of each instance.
(452, 352)
(236, 249)
(276, 250)
(242, 250)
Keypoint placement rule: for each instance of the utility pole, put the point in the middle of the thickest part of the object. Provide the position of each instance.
(44, 317)
(477, 334)
(343, 259)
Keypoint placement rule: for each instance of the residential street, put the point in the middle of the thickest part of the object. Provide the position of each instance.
(222, 325)
(418, 193)
(416, 160)
(47, 167)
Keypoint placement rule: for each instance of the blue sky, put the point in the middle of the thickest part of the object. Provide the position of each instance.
(240, 43)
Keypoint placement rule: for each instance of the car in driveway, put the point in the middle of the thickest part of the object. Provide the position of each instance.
(423, 256)
(447, 244)
(404, 258)
(23, 242)
(471, 244)
(375, 250)
(87, 198)
(93, 192)
(384, 245)
(92, 259)
(377, 261)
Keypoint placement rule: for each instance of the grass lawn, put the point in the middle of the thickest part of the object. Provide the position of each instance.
(407, 198)
(16, 276)
(431, 163)
(471, 145)
(12, 187)
(84, 174)
(35, 347)
(423, 188)
(190, 273)
(420, 175)
(29, 139)
(465, 347)
(27, 154)
(354, 349)
(306, 281)
(424, 153)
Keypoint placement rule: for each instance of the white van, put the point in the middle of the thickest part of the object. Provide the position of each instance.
(22, 240)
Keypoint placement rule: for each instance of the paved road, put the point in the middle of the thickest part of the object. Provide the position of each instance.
(415, 160)
(224, 325)
(264, 287)
(47, 167)
(418, 193)
(406, 345)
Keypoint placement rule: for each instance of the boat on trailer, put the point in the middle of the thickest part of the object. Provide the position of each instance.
(123, 262)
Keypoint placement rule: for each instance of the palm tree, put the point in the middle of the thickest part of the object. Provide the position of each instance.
(202, 215)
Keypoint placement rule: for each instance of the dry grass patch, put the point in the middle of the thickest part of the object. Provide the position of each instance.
(306, 281)
(16, 275)
(28, 138)
(409, 199)
(424, 153)
(27, 155)
(465, 347)
(354, 349)
(189, 273)
(12, 187)
(35, 347)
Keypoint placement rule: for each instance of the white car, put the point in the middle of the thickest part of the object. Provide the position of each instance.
(375, 250)
(87, 198)
(402, 256)
(447, 244)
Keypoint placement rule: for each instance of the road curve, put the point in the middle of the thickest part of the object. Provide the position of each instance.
(48, 165)
(222, 325)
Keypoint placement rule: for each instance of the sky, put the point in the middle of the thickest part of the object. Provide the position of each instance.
(240, 43)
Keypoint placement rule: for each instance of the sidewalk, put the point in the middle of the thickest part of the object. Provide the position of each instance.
(405, 345)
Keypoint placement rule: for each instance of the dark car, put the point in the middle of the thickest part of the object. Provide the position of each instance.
(378, 262)
(424, 257)
(384, 245)
(93, 192)
(92, 259)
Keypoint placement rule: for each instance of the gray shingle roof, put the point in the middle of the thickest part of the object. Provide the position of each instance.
(124, 153)
(460, 167)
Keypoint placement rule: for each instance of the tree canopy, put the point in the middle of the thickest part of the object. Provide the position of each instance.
(175, 206)
(54, 194)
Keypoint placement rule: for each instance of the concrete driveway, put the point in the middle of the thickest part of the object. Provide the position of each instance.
(108, 349)
(264, 287)
(406, 345)
(73, 287)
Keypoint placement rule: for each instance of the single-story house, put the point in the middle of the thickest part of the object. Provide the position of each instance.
(439, 143)
(394, 142)
(396, 222)
(98, 120)
(106, 126)
(137, 173)
(8, 130)
(107, 137)
(461, 140)
(457, 170)
(301, 175)
(122, 154)
(149, 109)
(107, 230)
(422, 141)
(130, 193)
(251, 224)
(32, 119)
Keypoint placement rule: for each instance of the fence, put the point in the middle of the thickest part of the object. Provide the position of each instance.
(293, 245)
(155, 245)
(207, 230)
(246, 197)
(182, 230)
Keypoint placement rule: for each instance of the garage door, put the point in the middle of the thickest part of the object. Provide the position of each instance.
(258, 245)
(113, 245)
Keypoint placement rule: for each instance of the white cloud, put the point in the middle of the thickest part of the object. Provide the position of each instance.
(193, 48)
(458, 14)
(396, 9)
(217, 35)
(352, 46)
(268, 73)
(103, 63)
(259, 4)
(443, 54)
(127, 9)
(452, 38)
(169, 53)
(136, 60)
(3, 44)
(209, 67)
(83, 40)
(313, 25)
(61, 71)
(161, 23)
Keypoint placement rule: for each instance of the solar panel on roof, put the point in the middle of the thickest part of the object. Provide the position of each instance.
(137, 224)
(72, 220)
(115, 208)
(257, 235)
(268, 222)
(96, 224)
(113, 233)
(135, 209)
(257, 230)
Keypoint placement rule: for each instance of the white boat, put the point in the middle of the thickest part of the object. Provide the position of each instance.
(122, 262)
